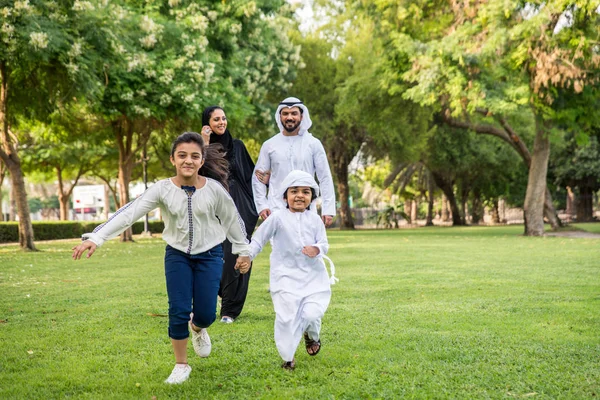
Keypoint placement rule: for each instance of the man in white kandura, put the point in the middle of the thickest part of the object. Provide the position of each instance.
(293, 148)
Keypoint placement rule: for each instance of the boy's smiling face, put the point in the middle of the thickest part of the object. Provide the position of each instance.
(298, 198)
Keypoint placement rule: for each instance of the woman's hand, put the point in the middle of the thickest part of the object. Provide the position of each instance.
(205, 132)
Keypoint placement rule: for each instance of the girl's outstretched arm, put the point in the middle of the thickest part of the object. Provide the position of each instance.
(124, 217)
(80, 249)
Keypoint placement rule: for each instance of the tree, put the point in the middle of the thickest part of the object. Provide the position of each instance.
(578, 166)
(41, 41)
(316, 86)
(171, 58)
(473, 61)
(65, 148)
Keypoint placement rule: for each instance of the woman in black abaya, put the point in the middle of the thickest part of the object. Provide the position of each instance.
(234, 286)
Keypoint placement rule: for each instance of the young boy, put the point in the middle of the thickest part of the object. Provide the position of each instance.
(299, 284)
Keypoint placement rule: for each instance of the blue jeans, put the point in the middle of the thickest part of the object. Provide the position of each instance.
(192, 286)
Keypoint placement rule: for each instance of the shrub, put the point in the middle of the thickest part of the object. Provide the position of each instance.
(52, 230)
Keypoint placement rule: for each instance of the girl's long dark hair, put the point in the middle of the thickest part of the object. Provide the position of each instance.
(215, 165)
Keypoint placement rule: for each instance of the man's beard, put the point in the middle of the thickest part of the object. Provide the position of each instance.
(293, 128)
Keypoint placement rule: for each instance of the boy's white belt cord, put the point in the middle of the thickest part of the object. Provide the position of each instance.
(332, 279)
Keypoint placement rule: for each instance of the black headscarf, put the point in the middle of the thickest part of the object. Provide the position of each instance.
(225, 140)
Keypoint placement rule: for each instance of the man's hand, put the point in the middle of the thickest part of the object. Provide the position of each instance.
(264, 214)
(242, 264)
(263, 176)
(311, 251)
(80, 249)
(327, 220)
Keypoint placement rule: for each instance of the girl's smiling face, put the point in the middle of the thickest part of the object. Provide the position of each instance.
(298, 198)
(187, 159)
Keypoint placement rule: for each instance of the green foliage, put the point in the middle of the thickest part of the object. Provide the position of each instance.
(47, 52)
(172, 60)
(477, 163)
(55, 230)
(390, 216)
(578, 165)
(9, 232)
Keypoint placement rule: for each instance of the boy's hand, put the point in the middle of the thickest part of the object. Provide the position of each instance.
(242, 264)
(311, 251)
(327, 220)
(80, 249)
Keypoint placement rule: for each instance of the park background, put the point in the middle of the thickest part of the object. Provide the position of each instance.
(481, 118)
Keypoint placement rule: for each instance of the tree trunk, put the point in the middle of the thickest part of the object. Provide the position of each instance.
(8, 153)
(585, 205)
(407, 209)
(571, 210)
(445, 217)
(413, 211)
(20, 195)
(448, 189)
(495, 212)
(550, 212)
(464, 197)
(124, 135)
(340, 168)
(106, 200)
(509, 135)
(429, 220)
(124, 180)
(2, 175)
(477, 212)
(535, 197)
(63, 200)
(12, 210)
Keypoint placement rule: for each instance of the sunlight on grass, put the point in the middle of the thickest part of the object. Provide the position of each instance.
(474, 312)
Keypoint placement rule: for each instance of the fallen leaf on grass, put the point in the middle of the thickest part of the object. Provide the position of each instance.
(3, 321)
(157, 315)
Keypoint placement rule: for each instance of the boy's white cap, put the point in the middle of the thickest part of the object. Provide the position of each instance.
(299, 178)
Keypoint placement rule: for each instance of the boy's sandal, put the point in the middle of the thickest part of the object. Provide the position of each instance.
(289, 365)
(310, 345)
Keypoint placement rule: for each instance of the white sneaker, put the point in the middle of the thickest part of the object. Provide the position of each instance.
(201, 342)
(180, 374)
(227, 320)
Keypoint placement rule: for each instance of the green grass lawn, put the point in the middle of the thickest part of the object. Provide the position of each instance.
(428, 313)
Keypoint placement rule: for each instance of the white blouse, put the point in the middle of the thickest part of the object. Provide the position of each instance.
(194, 223)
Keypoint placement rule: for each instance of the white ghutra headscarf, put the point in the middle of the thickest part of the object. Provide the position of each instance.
(290, 102)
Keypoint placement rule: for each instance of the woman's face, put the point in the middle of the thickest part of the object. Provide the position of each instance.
(218, 122)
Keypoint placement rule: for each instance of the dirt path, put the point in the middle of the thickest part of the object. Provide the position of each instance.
(575, 234)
